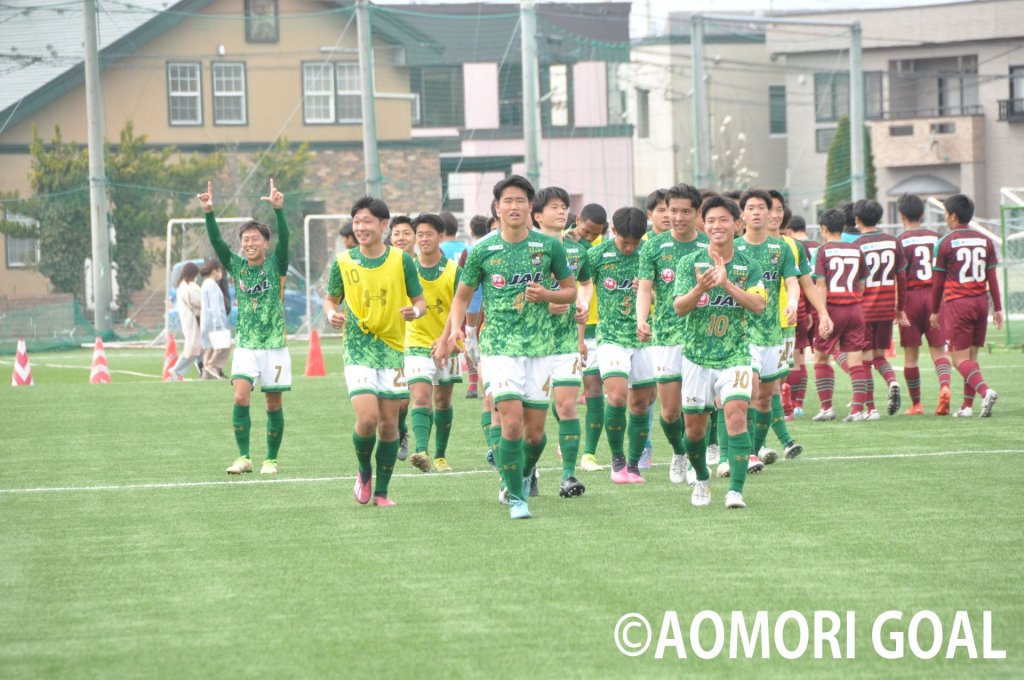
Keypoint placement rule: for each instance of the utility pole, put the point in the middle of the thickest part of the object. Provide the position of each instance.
(371, 159)
(531, 90)
(701, 140)
(857, 179)
(101, 274)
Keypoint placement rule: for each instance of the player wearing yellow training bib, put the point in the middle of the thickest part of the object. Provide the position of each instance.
(430, 383)
(377, 283)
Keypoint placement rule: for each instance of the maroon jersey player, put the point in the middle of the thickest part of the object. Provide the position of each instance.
(965, 261)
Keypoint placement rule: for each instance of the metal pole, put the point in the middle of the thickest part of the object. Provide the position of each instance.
(101, 283)
(857, 176)
(371, 159)
(531, 90)
(701, 141)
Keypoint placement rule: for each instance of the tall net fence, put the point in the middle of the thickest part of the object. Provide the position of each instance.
(1012, 274)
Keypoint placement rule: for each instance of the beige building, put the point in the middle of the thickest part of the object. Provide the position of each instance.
(944, 88)
(205, 76)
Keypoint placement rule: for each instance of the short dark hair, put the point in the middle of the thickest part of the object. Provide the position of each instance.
(478, 226)
(376, 206)
(684, 191)
(630, 222)
(787, 215)
(717, 201)
(594, 212)
(734, 194)
(430, 219)
(960, 205)
(517, 181)
(776, 194)
(346, 230)
(254, 224)
(755, 193)
(910, 206)
(798, 223)
(400, 219)
(653, 199)
(545, 196)
(833, 221)
(705, 194)
(209, 266)
(451, 223)
(491, 222)
(869, 212)
(851, 221)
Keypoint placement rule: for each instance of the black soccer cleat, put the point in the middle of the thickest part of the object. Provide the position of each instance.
(894, 399)
(571, 487)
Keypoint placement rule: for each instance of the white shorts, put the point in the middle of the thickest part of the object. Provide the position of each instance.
(668, 363)
(271, 368)
(702, 385)
(424, 370)
(590, 366)
(525, 379)
(566, 370)
(383, 383)
(769, 362)
(633, 364)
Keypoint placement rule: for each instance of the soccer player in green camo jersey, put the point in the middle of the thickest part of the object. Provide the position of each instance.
(381, 291)
(550, 213)
(401, 236)
(719, 294)
(262, 354)
(625, 368)
(658, 258)
(515, 343)
(766, 342)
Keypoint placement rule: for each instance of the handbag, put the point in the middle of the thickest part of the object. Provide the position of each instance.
(220, 339)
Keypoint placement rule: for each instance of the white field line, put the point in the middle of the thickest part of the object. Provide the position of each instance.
(415, 475)
(85, 368)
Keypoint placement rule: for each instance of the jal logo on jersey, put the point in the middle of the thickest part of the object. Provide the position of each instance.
(704, 300)
(611, 284)
(497, 280)
(668, 275)
(520, 278)
(261, 287)
(722, 300)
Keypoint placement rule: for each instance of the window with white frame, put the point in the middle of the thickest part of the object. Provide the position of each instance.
(184, 94)
(21, 251)
(229, 105)
(318, 93)
(350, 94)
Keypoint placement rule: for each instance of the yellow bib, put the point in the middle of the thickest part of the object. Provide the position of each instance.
(438, 293)
(376, 295)
(783, 295)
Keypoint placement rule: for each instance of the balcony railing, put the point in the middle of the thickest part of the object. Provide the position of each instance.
(1011, 110)
(938, 112)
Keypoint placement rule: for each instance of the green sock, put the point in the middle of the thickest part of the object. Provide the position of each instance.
(594, 423)
(713, 421)
(510, 462)
(638, 429)
(364, 451)
(533, 454)
(275, 432)
(569, 441)
(615, 427)
(420, 428)
(739, 455)
(674, 433)
(779, 420)
(697, 451)
(485, 423)
(242, 423)
(723, 435)
(442, 430)
(403, 428)
(764, 423)
(495, 438)
(387, 454)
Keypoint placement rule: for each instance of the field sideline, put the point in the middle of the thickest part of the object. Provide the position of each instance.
(126, 551)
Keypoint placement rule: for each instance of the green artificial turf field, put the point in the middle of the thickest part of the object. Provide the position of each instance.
(126, 551)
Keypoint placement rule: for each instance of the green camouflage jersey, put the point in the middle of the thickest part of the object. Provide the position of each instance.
(362, 347)
(563, 327)
(512, 326)
(613, 275)
(776, 261)
(658, 259)
(715, 332)
(259, 289)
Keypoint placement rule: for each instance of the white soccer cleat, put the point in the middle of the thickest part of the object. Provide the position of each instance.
(988, 402)
(825, 414)
(503, 495)
(691, 474)
(677, 469)
(714, 454)
(734, 499)
(754, 465)
(872, 415)
(723, 469)
(241, 465)
(768, 456)
(701, 495)
(965, 412)
(854, 417)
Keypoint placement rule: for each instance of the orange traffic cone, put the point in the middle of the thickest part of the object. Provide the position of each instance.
(22, 373)
(315, 359)
(170, 358)
(100, 370)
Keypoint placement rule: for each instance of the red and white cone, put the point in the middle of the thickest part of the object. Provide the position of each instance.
(22, 373)
(170, 359)
(100, 369)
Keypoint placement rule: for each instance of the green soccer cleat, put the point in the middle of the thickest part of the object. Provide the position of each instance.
(240, 466)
